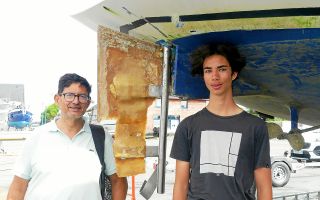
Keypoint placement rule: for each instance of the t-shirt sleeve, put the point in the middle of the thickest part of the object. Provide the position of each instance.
(180, 149)
(109, 156)
(262, 148)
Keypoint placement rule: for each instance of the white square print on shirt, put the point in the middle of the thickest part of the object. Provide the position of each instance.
(219, 152)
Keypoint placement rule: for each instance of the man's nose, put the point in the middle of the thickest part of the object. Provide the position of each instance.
(76, 99)
(215, 74)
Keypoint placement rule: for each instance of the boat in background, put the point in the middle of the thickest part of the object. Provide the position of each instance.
(5, 107)
(19, 118)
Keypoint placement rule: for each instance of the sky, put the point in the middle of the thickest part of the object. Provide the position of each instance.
(40, 41)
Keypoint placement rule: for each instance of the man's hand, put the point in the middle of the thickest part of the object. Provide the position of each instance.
(119, 187)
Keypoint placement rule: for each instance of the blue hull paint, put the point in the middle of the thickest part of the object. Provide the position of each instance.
(19, 118)
(19, 124)
(282, 72)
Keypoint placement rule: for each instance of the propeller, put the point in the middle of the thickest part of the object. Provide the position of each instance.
(295, 140)
(274, 130)
(294, 136)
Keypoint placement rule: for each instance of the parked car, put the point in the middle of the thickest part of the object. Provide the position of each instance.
(172, 124)
(281, 169)
(310, 152)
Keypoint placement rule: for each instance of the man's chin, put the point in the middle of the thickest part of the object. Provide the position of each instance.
(76, 116)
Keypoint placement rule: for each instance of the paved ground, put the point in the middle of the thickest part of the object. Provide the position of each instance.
(7, 159)
(169, 178)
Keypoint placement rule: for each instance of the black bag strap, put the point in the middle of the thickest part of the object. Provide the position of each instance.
(98, 136)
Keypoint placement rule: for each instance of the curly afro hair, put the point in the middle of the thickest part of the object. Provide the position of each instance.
(229, 51)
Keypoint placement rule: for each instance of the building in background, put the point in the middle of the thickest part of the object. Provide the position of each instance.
(12, 92)
(178, 110)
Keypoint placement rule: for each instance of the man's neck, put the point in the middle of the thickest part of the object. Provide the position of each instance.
(70, 127)
(223, 106)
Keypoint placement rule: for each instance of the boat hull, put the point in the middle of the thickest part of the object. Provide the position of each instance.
(19, 119)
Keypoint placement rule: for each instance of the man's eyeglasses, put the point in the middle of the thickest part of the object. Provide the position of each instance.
(70, 97)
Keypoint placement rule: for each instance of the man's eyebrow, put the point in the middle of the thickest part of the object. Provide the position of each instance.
(222, 66)
(219, 67)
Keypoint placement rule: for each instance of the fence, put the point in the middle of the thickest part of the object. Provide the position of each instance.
(300, 196)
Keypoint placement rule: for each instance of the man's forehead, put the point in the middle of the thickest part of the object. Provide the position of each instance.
(75, 86)
(216, 59)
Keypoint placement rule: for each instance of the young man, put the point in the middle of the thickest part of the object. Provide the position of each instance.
(59, 161)
(221, 150)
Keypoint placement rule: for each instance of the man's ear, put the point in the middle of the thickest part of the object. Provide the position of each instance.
(56, 98)
(234, 75)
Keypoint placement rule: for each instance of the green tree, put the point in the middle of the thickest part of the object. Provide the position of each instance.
(49, 113)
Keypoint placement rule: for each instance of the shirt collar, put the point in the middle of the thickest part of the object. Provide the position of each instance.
(52, 126)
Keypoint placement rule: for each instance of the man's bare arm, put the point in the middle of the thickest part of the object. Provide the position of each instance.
(181, 184)
(17, 189)
(119, 187)
(264, 183)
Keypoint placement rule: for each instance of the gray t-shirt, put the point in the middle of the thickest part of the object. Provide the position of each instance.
(223, 153)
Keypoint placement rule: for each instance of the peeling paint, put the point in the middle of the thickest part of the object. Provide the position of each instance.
(126, 68)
